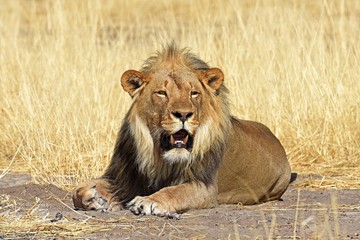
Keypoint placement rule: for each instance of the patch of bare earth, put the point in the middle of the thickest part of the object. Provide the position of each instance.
(29, 210)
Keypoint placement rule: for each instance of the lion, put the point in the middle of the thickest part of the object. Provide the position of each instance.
(179, 148)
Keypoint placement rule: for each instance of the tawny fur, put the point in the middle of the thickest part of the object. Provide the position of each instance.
(227, 161)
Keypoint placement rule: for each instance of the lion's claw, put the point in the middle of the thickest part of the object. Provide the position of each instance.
(146, 206)
(175, 216)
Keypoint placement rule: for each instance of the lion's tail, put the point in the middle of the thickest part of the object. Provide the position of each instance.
(293, 177)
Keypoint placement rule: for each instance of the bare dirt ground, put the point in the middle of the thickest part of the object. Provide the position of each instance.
(303, 214)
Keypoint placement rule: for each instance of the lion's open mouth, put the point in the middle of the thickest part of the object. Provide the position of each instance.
(180, 139)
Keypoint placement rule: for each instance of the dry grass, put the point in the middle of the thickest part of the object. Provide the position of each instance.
(293, 65)
(34, 225)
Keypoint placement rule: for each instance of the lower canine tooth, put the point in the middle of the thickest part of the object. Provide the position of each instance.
(172, 141)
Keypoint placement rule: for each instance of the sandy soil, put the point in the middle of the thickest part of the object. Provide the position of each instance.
(303, 214)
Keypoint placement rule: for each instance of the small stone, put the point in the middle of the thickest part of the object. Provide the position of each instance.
(58, 217)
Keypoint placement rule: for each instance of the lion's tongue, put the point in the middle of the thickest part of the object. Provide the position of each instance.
(179, 139)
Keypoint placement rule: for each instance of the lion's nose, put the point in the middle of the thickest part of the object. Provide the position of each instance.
(183, 116)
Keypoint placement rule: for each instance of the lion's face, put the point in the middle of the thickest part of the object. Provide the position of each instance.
(173, 103)
(175, 98)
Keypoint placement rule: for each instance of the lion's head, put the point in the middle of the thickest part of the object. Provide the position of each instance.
(180, 106)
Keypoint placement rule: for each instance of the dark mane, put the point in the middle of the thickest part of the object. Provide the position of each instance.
(126, 181)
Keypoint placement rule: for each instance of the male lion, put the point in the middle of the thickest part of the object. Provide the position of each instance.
(179, 148)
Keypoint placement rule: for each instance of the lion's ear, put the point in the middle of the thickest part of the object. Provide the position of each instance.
(213, 77)
(131, 80)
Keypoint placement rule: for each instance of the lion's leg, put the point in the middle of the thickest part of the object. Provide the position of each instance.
(169, 201)
(93, 195)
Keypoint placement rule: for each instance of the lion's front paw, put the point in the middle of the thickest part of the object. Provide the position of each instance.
(90, 200)
(91, 195)
(148, 206)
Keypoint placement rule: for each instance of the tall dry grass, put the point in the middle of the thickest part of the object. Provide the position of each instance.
(293, 65)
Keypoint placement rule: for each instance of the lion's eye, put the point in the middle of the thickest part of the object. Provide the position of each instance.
(194, 94)
(161, 93)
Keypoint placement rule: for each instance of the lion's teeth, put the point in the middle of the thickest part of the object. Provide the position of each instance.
(179, 138)
(186, 139)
